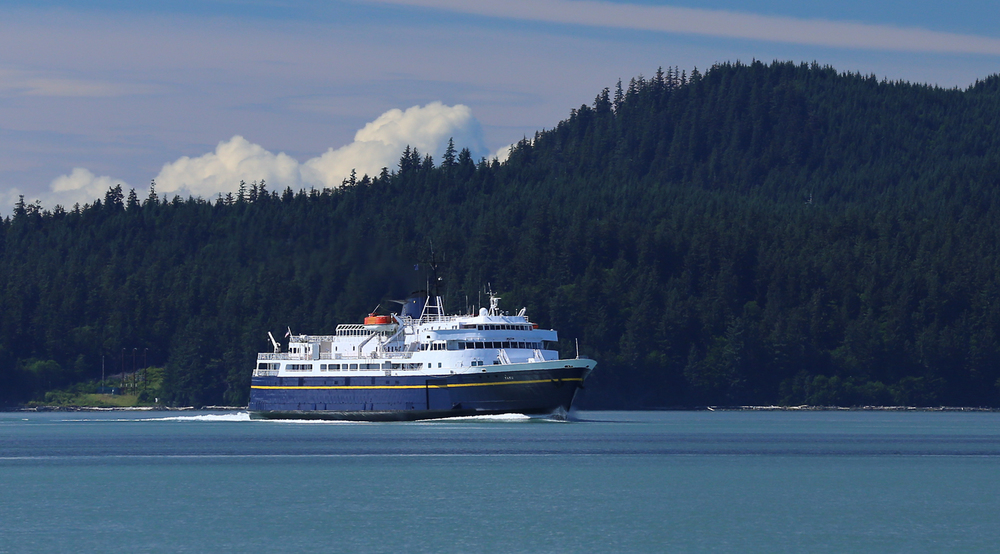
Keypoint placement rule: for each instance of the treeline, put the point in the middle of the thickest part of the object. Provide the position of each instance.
(757, 234)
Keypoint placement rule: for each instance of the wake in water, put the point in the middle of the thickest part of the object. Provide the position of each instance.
(245, 416)
(239, 416)
(491, 417)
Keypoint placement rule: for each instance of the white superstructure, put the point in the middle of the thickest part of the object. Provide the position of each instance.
(432, 344)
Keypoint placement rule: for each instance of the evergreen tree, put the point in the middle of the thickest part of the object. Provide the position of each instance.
(448, 160)
(760, 233)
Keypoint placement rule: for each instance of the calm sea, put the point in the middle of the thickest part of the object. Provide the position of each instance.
(610, 482)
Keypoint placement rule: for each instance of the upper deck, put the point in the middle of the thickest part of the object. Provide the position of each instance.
(429, 342)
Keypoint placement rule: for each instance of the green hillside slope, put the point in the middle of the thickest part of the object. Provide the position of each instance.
(758, 234)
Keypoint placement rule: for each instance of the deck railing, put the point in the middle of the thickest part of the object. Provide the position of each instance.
(333, 356)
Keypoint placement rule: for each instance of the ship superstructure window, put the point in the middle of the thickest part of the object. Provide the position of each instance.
(364, 366)
(434, 346)
(501, 327)
(507, 345)
(299, 367)
(407, 366)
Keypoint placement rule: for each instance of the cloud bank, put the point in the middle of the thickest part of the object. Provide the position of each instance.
(80, 187)
(221, 171)
(719, 23)
(378, 144)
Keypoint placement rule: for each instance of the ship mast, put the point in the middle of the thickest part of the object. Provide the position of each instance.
(434, 307)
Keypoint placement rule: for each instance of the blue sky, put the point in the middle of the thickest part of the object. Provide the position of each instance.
(201, 94)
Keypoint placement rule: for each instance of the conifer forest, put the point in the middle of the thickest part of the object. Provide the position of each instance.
(762, 234)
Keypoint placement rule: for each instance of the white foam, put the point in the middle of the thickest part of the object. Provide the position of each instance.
(239, 416)
(245, 416)
(318, 421)
(488, 417)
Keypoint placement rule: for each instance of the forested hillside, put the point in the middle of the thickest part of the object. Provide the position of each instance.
(755, 234)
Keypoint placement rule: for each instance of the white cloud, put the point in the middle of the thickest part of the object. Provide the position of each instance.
(503, 153)
(377, 145)
(222, 170)
(719, 23)
(8, 198)
(380, 142)
(79, 187)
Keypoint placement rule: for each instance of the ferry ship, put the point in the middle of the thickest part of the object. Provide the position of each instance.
(419, 364)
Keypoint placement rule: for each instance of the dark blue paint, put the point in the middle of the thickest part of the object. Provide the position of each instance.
(417, 396)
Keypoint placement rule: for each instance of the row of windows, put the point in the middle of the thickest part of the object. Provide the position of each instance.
(337, 367)
(328, 367)
(459, 345)
(358, 367)
(432, 346)
(503, 327)
(505, 344)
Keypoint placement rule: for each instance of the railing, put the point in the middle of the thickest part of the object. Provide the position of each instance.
(434, 318)
(381, 367)
(332, 356)
(278, 356)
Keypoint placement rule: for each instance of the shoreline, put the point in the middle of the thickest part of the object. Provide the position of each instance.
(691, 409)
(847, 409)
(123, 409)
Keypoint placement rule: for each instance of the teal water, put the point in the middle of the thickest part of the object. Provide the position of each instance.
(614, 482)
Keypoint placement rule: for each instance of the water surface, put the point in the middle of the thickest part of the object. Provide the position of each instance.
(612, 481)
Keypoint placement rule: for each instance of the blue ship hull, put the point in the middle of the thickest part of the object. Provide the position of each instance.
(406, 398)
